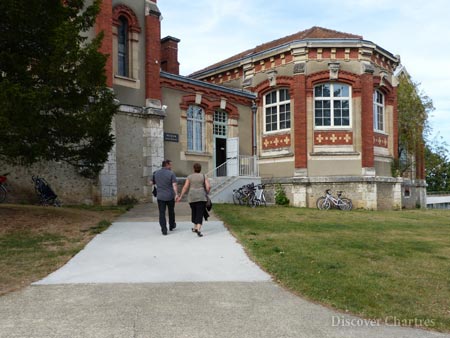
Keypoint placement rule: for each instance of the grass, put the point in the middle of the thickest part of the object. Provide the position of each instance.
(35, 240)
(373, 264)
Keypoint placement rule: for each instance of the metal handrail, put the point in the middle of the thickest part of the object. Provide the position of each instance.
(247, 166)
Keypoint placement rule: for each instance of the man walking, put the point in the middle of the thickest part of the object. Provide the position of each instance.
(167, 191)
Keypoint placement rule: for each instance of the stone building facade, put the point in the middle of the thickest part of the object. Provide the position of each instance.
(326, 115)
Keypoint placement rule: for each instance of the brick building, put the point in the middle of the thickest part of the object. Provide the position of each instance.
(327, 116)
(317, 108)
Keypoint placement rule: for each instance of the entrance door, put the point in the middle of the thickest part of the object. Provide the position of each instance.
(233, 156)
(221, 156)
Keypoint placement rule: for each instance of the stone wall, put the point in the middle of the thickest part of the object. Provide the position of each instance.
(414, 194)
(372, 193)
(138, 151)
(64, 180)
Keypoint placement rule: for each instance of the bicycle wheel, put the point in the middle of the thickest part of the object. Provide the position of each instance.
(345, 204)
(323, 203)
(263, 200)
(236, 198)
(2, 193)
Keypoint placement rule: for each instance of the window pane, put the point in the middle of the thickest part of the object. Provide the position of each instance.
(122, 41)
(318, 91)
(190, 135)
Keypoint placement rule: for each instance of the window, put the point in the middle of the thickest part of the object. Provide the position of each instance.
(378, 111)
(195, 128)
(125, 47)
(220, 123)
(332, 105)
(277, 108)
(122, 39)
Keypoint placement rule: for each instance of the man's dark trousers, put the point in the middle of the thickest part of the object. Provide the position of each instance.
(162, 214)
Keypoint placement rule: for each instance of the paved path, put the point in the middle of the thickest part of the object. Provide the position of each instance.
(133, 282)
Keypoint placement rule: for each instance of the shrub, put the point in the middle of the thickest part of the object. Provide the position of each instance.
(280, 195)
(128, 201)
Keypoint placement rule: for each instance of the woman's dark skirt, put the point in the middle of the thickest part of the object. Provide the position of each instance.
(197, 211)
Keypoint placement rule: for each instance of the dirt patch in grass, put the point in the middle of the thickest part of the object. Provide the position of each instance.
(35, 240)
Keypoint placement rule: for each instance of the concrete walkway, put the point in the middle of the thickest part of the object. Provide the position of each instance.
(132, 282)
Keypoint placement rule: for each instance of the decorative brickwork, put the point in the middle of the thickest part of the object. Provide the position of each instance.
(127, 12)
(206, 92)
(380, 140)
(209, 105)
(276, 141)
(333, 138)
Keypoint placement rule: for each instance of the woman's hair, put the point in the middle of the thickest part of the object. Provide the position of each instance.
(197, 167)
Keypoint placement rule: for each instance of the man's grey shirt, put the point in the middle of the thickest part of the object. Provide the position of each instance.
(164, 178)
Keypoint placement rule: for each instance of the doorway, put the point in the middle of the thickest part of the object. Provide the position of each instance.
(220, 141)
(221, 156)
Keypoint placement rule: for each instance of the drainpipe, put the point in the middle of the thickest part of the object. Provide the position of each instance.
(255, 164)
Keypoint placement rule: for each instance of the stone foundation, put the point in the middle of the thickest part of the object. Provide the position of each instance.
(371, 193)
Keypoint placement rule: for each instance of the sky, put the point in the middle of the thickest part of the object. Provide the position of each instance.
(417, 30)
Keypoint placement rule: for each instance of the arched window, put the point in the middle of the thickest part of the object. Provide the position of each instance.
(277, 110)
(332, 105)
(195, 128)
(126, 36)
(122, 40)
(378, 111)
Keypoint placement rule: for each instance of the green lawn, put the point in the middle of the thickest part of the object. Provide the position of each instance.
(370, 263)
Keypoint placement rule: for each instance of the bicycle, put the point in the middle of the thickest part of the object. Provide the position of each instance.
(238, 195)
(342, 203)
(260, 197)
(3, 190)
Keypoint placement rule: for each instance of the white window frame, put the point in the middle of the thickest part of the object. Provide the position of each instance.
(277, 104)
(332, 100)
(197, 143)
(379, 112)
(220, 121)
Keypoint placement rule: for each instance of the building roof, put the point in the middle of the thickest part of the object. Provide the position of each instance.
(218, 88)
(309, 34)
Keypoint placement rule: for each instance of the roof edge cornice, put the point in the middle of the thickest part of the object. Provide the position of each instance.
(306, 43)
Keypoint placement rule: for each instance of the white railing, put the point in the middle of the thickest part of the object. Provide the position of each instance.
(246, 166)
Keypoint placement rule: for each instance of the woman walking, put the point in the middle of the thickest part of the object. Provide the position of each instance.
(198, 186)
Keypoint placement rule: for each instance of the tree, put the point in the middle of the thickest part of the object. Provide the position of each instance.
(437, 166)
(414, 108)
(55, 105)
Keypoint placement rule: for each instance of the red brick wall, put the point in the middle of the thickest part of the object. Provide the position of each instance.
(300, 121)
(367, 120)
(152, 56)
(104, 23)
(169, 56)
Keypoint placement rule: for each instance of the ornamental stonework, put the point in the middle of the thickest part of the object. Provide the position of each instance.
(276, 141)
(336, 138)
(380, 140)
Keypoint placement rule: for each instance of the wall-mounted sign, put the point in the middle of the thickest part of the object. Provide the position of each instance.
(171, 137)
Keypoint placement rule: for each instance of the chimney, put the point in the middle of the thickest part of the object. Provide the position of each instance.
(169, 55)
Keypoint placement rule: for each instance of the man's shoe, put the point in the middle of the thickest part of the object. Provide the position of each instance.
(172, 228)
(164, 233)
